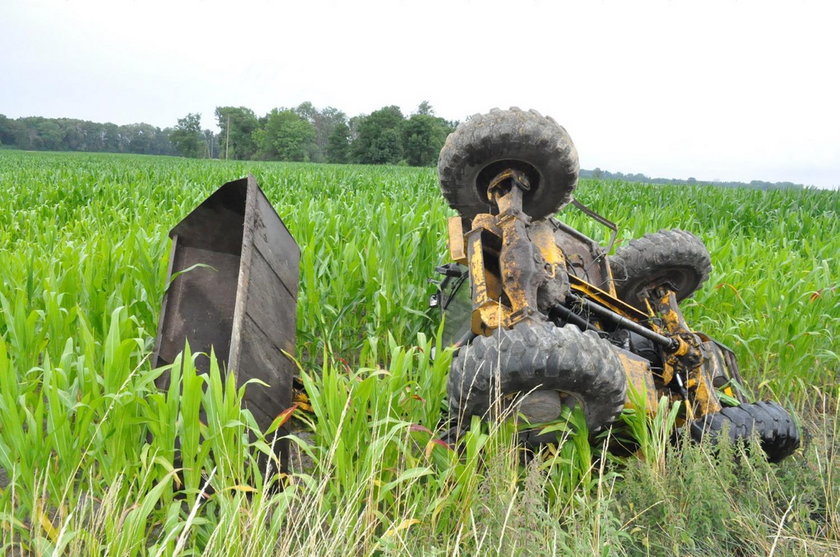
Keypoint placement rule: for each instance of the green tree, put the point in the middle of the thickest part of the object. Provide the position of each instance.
(187, 137)
(211, 144)
(378, 137)
(73, 135)
(285, 136)
(113, 139)
(423, 136)
(425, 109)
(338, 148)
(324, 121)
(50, 134)
(236, 140)
(95, 136)
(387, 147)
(141, 138)
(162, 145)
(307, 111)
(8, 130)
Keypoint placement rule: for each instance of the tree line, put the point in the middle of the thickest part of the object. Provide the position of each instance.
(302, 133)
(599, 174)
(35, 133)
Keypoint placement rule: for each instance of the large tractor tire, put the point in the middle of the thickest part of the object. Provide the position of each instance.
(772, 424)
(675, 258)
(487, 144)
(533, 358)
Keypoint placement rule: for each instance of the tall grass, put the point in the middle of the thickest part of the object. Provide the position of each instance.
(93, 459)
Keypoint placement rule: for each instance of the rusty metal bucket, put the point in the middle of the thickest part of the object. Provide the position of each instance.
(235, 269)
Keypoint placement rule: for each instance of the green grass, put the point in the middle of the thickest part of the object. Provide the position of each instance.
(88, 444)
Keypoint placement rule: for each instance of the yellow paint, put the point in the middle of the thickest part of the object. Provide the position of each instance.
(542, 234)
(605, 299)
(637, 371)
(456, 240)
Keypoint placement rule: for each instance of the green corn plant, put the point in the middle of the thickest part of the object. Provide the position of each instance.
(651, 430)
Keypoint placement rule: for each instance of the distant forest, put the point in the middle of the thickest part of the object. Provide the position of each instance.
(303, 133)
(754, 184)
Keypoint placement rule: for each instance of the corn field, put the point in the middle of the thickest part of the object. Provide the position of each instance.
(95, 460)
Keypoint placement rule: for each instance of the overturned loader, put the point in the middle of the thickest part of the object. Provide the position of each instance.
(551, 320)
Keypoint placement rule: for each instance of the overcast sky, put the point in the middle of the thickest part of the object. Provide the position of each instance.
(715, 90)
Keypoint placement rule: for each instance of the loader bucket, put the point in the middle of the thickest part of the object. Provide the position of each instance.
(233, 277)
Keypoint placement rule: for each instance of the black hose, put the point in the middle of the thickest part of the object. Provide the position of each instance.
(571, 317)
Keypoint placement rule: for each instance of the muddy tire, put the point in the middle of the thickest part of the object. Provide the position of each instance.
(772, 424)
(674, 257)
(487, 144)
(533, 357)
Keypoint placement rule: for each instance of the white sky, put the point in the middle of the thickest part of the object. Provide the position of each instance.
(715, 90)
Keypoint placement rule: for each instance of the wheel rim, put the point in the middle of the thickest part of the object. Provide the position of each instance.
(682, 281)
(490, 171)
